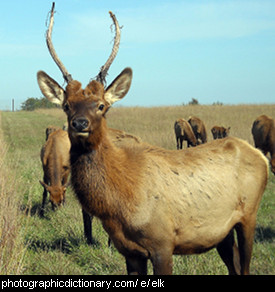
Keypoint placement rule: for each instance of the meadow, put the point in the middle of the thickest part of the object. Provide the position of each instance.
(55, 245)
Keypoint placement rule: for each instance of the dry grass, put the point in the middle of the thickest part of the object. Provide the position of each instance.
(56, 244)
(155, 125)
(12, 248)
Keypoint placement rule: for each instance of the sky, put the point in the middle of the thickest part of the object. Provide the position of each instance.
(214, 51)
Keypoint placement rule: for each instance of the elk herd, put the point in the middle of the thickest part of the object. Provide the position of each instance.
(154, 202)
(194, 132)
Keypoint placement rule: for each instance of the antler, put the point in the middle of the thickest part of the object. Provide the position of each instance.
(101, 77)
(67, 76)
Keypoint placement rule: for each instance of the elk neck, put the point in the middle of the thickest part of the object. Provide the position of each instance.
(101, 176)
(85, 145)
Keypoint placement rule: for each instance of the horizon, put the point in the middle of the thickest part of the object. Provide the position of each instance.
(118, 106)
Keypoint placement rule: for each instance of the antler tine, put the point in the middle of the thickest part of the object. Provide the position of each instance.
(101, 77)
(66, 74)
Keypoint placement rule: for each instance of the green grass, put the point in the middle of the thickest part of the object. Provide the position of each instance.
(56, 244)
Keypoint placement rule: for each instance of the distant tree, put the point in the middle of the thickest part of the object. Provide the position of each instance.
(194, 101)
(33, 103)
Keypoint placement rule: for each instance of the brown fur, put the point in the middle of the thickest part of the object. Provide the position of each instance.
(154, 202)
(183, 131)
(263, 131)
(199, 129)
(121, 139)
(56, 166)
(220, 132)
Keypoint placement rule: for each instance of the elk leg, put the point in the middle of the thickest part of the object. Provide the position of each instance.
(181, 141)
(136, 265)
(229, 253)
(53, 206)
(87, 222)
(64, 183)
(41, 214)
(65, 178)
(43, 203)
(162, 263)
(245, 234)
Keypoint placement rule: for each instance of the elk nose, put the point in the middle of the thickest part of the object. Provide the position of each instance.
(80, 124)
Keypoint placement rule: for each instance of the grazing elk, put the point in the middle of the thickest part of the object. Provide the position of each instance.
(183, 131)
(153, 202)
(56, 166)
(220, 132)
(263, 131)
(199, 129)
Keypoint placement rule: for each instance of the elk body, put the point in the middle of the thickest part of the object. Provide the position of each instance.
(263, 131)
(220, 132)
(183, 131)
(153, 202)
(56, 166)
(199, 129)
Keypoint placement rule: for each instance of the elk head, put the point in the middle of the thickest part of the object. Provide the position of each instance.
(57, 194)
(85, 108)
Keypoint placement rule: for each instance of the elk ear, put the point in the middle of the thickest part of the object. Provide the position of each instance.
(119, 87)
(43, 184)
(50, 88)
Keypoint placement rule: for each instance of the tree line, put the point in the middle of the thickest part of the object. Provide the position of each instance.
(33, 103)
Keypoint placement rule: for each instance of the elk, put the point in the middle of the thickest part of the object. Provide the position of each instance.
(183, 131)
(198, 128)
(56, 167)
(220, 132)
(153, 202)
(263, 131)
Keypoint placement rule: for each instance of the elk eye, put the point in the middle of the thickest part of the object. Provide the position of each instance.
(66, 107)
(101, 107)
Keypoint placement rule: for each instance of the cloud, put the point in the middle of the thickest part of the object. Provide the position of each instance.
(193, 20)
(170, 21)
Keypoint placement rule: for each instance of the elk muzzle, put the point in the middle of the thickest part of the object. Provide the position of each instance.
(80, 126)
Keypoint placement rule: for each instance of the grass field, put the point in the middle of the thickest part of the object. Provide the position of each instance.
(55, 244)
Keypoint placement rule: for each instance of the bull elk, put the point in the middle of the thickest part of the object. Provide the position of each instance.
(263, 131)
(153, 202)
(120, 138)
